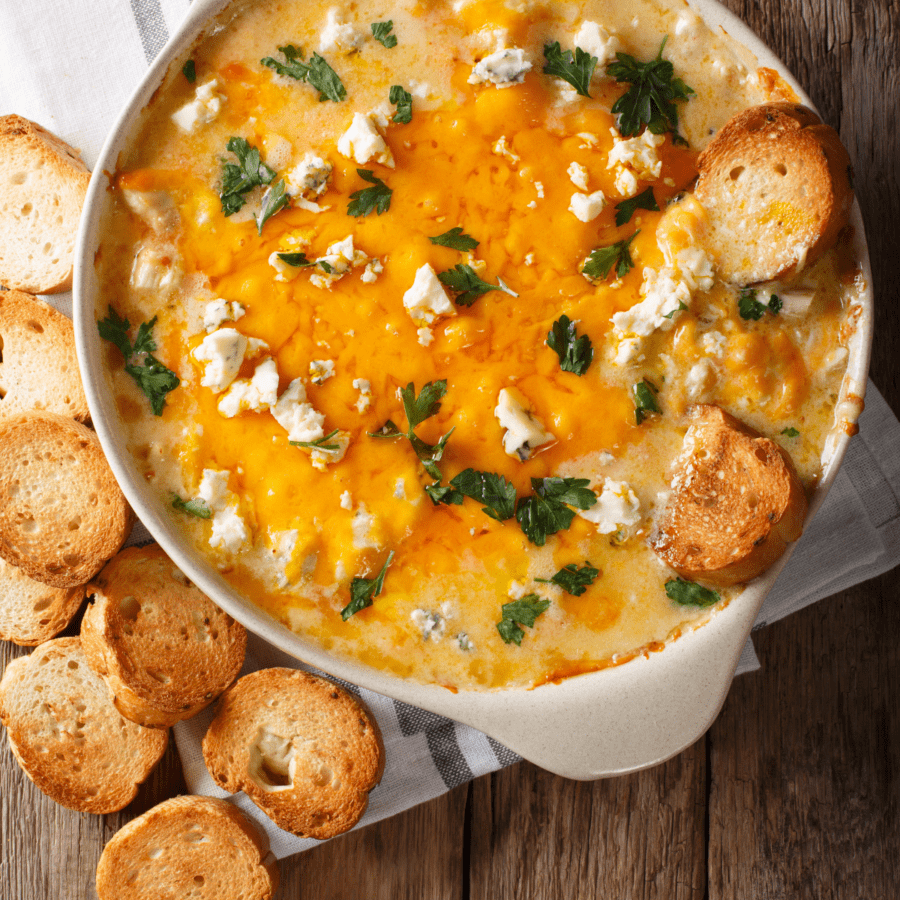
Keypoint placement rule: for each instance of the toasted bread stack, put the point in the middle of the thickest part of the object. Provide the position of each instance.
(736, 502)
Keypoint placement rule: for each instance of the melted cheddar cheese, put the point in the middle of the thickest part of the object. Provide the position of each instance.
(503, 162)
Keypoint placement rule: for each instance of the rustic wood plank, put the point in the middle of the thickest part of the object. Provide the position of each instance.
(641, 836)
(413, 856)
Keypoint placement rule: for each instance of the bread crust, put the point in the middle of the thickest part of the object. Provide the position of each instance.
(43, 183)
(736, 502)
(776, 184)
(68, 737)
(38, 365)
(188, 846)
(304, 750)
(164, 649)
(62, 514)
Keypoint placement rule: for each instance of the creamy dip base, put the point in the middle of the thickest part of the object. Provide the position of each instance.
(495, 161)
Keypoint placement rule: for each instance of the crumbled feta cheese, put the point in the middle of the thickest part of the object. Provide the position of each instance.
(503, 68)
(258, 393)
(362, 524)
(337, 35)
(578, 175)
(663, 294)
(364, 401)
(223, 352)
(430, 623)
(529, 259)
(634, 159)
(339, 258)
(296, 416)
(346, 500)
(371, 272)
(586, 207)
(229, 530)
(597, 41)
(400, 489)
(539, 187)
(425, 336)
(155, 270)
(501, 148)
(464, 642)
(156, 208)
(363, 142)
(617, 507)
(700, 380)
(321, 457)
(213, 488)
(714, 343)
(283, 544)
(202, 109)
(427, 300)
(321, 370)
(309, 178)
(284, 272)
(219, 311)
(524, 433)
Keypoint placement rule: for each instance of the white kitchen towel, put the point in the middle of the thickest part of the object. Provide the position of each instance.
(71, 65)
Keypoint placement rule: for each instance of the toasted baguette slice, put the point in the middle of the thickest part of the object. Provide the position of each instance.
(304, 751)
(66, 734)
(42, 186)
(736, 502)
(38, 366)
(62, 515)
(164, 649)
(776, 184)
(31, 612)
(191, 847)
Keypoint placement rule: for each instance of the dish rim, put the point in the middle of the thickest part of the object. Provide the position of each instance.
(616, 720)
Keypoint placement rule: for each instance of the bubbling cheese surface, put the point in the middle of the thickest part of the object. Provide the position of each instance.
(306, 352)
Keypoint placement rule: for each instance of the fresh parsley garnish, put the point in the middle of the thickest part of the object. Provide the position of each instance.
(316, 72)
(602, 260)
(274, 200)
(645, 400)
(325, 266)
(791, 432)
(573, 580)
(626, 209)
(364, 590)
(456, 239)
(443, 493)
(150, 375)
(520, 612)
(377, 197)
(577, 69)
(650, 99)
(689, 593)
(465, 282)
(296, 259)
(319, 444)
(546, 511)
(189, 70)
(381, 31)
(682, 306)
(751, 308)
(402, 99)
(489, 488)
(249, 173)
(388, 430)
(196, 507)
(575, 353)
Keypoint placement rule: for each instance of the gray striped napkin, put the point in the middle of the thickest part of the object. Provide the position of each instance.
(70, 65)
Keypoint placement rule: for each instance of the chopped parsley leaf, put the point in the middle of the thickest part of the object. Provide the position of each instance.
(274, 200)
(238, 180)
(489, 488)
(189, 70)
(546, 511)
(650, 99)
(381, 31)
(316, 72)
(377, 197)
(443, 493)
(456, 239)
(464, 280)
(681, 307)
(791, 432)
(645, 400)
(573, 580)
(426, 405)
(364, 590)
(296, 259)
(388, 430)
(153, 378)
(196, 507)
(602, 260)
(520, 612)
(576, 69)
(752, 309)
(627, 208)
(575, 353)
(319, 443)
(689, 593)
(402, 99)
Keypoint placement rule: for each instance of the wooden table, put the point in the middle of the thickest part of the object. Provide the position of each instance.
(795, 790)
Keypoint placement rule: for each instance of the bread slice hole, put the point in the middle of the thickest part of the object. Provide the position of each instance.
(29, 526)
(129, 608)
(42, 604)
(736, 173)
(161, 677)
(271, 762)
(199, 879)
(781, 169)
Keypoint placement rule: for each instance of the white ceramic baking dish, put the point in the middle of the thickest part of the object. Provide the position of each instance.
(603, 723)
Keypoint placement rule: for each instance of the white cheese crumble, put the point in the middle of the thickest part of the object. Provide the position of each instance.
(634, 159)
(337, 35)
(501, 147)
(321, 370)
(223, 352)
(296, 416)
(155, 208)
(284, 272)
(202, 109)
(339, 259)
(586, 207)
(427, 300)
(578, 175)
(364, 401)
(321, 457)
(524, 433)
(258, 393)
(229, 531)
(700, 380)
(594, 39)
(714, 343)
(374, 267)
(432, 624)
(464, 642)
(155, 270)
(346, 500)
(219, 311)
(363, 142)
(309, 178)
(425, 336)
(503, 68)
(362, 525)
(617, 507)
